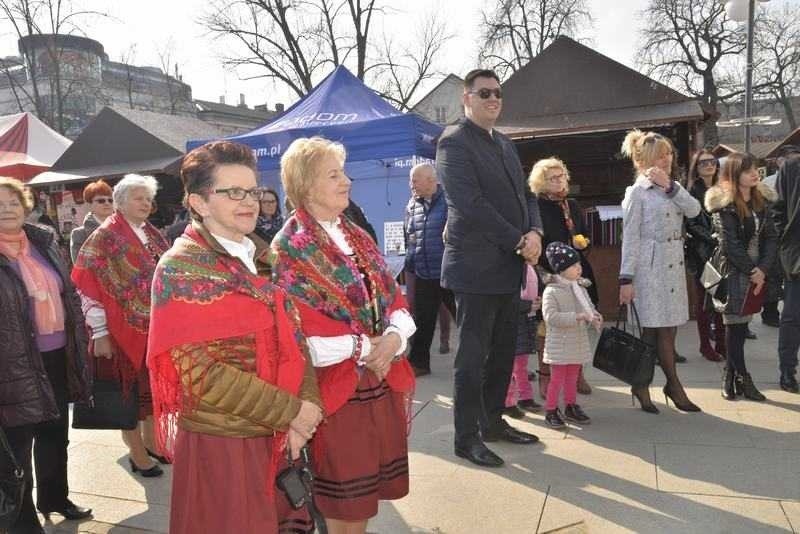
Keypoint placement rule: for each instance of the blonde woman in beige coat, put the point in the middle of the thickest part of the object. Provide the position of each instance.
(567, 311)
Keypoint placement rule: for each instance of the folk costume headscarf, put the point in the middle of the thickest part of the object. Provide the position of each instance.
(199, 296)
(115, 269)
(41, 284)
(334, 300)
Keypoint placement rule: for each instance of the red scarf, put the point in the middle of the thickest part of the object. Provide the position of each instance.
(333, 300)
(115, 269)
(200, 295)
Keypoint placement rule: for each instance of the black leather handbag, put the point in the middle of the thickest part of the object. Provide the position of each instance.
(108, 407)
(12, 484)
(623, 355)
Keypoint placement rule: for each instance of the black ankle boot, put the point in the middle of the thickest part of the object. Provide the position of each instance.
(749, 389)
(728, 391)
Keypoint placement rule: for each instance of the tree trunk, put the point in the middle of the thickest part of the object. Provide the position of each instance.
(711, 97)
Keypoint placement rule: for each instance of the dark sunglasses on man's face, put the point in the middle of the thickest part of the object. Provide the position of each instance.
(485, 93)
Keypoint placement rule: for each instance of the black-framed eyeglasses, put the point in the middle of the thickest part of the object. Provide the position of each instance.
(238, 193)
(102, 200)
(485, 93)
(707, 163)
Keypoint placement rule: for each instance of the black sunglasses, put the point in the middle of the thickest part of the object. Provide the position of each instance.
(707, 162)
(102, 200)
(485, 93)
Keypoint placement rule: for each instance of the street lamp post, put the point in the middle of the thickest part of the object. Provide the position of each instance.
(741, 11)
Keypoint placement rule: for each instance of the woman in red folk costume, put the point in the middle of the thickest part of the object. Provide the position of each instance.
(113, 273)
(357, 325)
(232, 386)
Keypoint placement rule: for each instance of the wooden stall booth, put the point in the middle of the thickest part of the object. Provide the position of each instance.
(576, 104)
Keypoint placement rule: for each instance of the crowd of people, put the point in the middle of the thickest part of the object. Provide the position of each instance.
(257, 339)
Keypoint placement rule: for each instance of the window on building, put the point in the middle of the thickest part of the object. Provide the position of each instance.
(441, 114)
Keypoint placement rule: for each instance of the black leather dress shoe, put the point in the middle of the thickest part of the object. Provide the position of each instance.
(479, 454)
(789, 382)
(511, 435)
(71, 511)
(750, 334)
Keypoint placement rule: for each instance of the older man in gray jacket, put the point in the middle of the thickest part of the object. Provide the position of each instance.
(493, 225)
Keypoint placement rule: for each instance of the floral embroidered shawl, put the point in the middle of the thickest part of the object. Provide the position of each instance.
(115, 269)
(200, 295)
(332, 298)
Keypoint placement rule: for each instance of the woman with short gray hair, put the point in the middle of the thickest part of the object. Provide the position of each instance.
(113, 272)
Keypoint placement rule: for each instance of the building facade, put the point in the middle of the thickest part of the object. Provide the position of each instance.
(442, 104)
(759, 134)
(67, 79)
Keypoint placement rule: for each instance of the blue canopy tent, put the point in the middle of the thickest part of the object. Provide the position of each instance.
(382, 144)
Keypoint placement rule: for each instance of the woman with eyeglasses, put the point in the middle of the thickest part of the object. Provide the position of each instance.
(358, 325)
(740, 211)
(113, 272)
(234, 391)
(700, 245)
(98, 196)
(562, 220)
(652, 272)
(270, 219)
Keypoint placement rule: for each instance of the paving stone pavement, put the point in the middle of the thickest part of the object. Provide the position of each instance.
(735, 468)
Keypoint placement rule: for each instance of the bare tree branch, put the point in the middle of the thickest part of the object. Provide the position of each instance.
(688, 44)
(515, 31)
(777, 62)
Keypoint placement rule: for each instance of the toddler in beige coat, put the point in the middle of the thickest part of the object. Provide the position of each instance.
(567, 311)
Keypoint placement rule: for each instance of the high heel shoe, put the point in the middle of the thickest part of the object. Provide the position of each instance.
(161, 459)
(649, 407)
(688, 407)
(154, 471)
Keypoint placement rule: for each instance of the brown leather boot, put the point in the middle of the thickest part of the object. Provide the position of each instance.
(583, 386)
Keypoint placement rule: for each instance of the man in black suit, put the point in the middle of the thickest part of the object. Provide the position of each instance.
(493, 226)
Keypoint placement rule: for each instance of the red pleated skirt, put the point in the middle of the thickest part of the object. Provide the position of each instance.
(362, 454)
(219, 485)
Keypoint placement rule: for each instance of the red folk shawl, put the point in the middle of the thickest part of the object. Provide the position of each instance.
(115, 269)
(333, 300)
(200, 295)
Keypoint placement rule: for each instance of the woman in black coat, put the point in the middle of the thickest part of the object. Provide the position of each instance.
(41, 358)
(741, 215)
(700, 245)
(562, 220)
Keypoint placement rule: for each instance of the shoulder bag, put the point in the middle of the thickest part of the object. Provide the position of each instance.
(108, 407)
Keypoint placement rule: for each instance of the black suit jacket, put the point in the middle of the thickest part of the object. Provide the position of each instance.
(489, 206)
